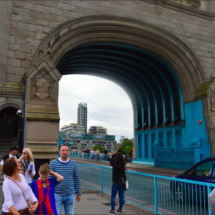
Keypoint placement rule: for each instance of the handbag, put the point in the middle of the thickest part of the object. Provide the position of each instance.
(29, 203)
(125, 183)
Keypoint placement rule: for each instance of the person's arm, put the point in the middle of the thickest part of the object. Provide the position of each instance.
(51, 169)
(58, 176)
(2, 163)
(8, 201)
(112, 159)
(33, 169)
(13, 210)
(32, 199)
(77, 184)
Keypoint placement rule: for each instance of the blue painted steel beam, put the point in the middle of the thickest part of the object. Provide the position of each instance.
(158, 70)
(146, 82)
(155, 68)
(140, 67)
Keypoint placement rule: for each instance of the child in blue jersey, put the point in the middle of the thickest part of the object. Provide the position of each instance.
(43, 188)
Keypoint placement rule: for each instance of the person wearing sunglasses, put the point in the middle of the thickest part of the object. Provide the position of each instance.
(27, 165)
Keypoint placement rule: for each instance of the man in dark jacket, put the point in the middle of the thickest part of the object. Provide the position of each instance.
(13, 153)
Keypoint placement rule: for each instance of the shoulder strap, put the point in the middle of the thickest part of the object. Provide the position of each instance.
(19, 187)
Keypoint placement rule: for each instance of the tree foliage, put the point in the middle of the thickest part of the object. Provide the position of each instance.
(101, 149)
(127, 145)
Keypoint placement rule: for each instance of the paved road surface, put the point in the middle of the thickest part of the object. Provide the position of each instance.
(92, 203)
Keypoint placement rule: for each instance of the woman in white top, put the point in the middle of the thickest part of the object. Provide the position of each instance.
(16, 190)
(27, 165)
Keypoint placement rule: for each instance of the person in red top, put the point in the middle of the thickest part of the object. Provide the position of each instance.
(43, 188)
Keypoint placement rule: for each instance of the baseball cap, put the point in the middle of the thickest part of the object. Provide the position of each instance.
(14, 148)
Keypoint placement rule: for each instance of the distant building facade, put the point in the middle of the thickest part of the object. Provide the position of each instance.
(73, 128)
(88, 140)
(82, 115)
(97, 130)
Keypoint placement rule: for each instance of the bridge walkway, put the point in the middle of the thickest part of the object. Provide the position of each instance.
(92, 203)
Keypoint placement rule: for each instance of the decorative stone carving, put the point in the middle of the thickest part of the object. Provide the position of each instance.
(194, 3)
(42, 83)
(44, 50)
(159, 6)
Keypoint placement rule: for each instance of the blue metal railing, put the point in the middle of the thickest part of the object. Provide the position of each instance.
(160, 194)
(89, 156)
(180, 158)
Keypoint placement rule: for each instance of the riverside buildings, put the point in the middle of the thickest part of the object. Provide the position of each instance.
(87, 140)
(77, 135)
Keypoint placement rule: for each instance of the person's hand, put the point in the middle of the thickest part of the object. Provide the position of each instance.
(51, 172)
(32, 209)
(114, 153)
(78, 198)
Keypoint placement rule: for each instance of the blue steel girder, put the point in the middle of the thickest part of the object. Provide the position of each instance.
(172, 78)
(152, 56)
(145, 80)
(112, 68)
(117, 81)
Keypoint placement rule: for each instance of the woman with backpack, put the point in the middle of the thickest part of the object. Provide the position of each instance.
(118, 181)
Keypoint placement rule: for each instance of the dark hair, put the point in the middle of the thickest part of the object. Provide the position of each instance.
(64, 145)
(9, 166)
(119, 162)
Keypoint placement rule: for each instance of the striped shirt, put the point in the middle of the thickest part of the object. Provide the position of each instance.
(71, 177)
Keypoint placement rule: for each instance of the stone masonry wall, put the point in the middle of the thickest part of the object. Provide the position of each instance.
(31, 21)
(5, 17)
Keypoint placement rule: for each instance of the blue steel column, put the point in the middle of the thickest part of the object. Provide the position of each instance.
(155, 195)
(23, 120)
(102, 177)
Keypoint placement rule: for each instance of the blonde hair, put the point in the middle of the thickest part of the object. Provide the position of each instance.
(44, 169)
(30, 155)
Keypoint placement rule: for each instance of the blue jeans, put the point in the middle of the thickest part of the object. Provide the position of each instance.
(67, 201)
(120, 189)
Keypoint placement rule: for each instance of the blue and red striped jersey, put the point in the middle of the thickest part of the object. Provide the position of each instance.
(45, 195)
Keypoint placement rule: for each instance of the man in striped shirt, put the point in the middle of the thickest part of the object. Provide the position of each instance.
(64, 191)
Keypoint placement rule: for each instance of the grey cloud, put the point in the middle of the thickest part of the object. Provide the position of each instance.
(111, 106)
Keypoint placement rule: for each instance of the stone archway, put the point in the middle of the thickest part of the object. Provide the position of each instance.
(42, 115)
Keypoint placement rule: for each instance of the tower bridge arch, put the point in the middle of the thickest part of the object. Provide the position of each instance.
(161, 75)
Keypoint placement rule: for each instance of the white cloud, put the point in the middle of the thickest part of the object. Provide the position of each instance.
(108, 104)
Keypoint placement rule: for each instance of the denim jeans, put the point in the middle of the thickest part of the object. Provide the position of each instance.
(67, 201)
(120, 189)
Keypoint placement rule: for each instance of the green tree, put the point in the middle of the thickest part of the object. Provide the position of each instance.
(127, 145)
(101, 149)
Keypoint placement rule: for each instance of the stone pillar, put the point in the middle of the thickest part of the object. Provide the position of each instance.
(5, 17)
(41, 132)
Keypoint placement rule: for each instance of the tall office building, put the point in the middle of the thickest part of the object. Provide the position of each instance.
(82, 115)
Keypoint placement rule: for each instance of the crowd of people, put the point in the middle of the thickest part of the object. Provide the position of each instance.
(56, 185)
(97, 155)
(54, 189)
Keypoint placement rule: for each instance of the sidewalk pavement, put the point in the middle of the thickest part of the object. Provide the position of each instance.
(92, 203)
(137, 167)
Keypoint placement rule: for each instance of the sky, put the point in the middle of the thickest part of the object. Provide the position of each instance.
(107, 103)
